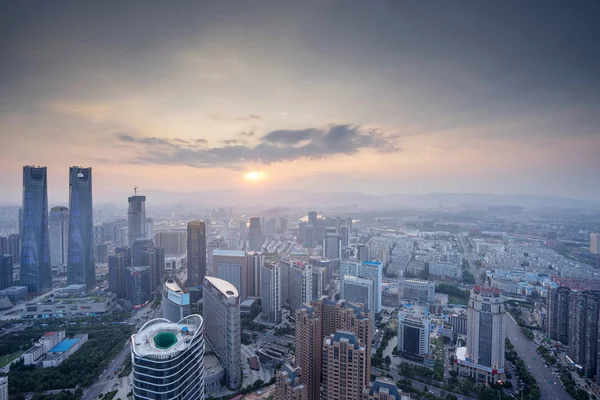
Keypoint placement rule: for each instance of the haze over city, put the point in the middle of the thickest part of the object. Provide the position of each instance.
(324, 96)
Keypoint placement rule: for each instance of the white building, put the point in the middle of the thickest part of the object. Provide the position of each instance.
(270, 289)
(413, 331)
(63, 350)
(445, 271)
(369, 270)
(358, 290)
(416, 289)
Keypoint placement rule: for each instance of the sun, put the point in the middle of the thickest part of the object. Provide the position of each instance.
(254, 176)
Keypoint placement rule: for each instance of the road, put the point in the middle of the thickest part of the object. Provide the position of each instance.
(526, 349)
(98, 388)
(262, 374)
(462, 240)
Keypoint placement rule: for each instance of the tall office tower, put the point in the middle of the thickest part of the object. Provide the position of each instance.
(358, 290)
(254, 262)
(283, 225)
(174, 242)
(232, 266)
(222, 316)
(216, 243)
(97, 234)
(81, 268)
(288, 385)
(312, 218)
(176, 300)
(136, 219)
(243, 229)
(345, 235)
(156, 256)
(345, 367)
(196, 252)
(595, 243)
(384, 389)
(3, 245)
(270, 289)
(348, 223)
(309, 236)
(59, 237)
(36, 272)
(20, 222)
(117, 275)
(319, 281)
(583, 337)
(109, 232)
(126, 252)
(168, 359)
(255, 237)
(362, 253)
(14, 247)
(318, 232)
(299, 284)
(366, 270)
(332, 246)
(558, 307)
(416, 289)
(270, 227)
(6, 271)
(149, 228)
(309, 344)
(413, 332)
(138, 286)
(485, 342)
(301, 234)
(139, 252)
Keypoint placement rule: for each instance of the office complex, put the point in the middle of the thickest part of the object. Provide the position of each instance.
(358, 290)
(309, 236)
(196, 252)
(232, 266)
(3, 245)
(222, 316)
(136, 219)
(6, 271)
(138, 286)
(168, 360)
(296, 283)
(254, 263)
(117, 275)
(345, 367)
(484, 359)
(59, 238)
(413, 331)
(583, 330)
(176, 301)
(288, 384)
(270, 289)
(367, 270)
(174, 242)
(81, 267)
(416, 289)
(345, 236)
(255, 236)
(332, 246)
(558, 306)
(36, 272)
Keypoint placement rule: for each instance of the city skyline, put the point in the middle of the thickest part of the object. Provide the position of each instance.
(380, 98)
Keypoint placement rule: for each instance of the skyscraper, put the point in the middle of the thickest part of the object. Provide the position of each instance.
(176, 301)
(362, 253)
(312, 218)
(232, 266)
(270, 289)
(81, 267)
(3, 245)
(14, 247)
(139, 252)
(583, 326)
(345, 368)
(36, 272)
(222, 318)
(332, 246)
(345, 235)
(117, 275)
(366, 270)
(168, 359)
(138, 286)
(413, 332)
(289, 386)
(255, 237)
(59, 237)
(255, 262)
(196, 252)
(309, 344)
(6, 271)
(558, 314)
(136, 219)
(156, 257)
(358, 290)
(309, 236)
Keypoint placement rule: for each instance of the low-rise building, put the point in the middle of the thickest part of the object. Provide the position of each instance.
(384, 389)
(15, 293)
(416, 289)
(249, 307)
(63, 350)
(97, 303)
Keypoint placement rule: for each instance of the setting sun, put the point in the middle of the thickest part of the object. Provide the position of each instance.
(253, 176)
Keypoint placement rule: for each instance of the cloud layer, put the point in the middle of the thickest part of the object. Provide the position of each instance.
(275, 146)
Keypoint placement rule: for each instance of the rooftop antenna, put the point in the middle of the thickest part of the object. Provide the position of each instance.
(135, 188)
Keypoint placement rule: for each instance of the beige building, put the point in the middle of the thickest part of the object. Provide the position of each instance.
(595, 243)
(345, 367)
(384, 389)
(289, 385)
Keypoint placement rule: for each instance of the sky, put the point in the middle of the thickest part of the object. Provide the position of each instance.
(372, 96)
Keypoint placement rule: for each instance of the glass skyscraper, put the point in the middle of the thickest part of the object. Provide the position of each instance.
(35, 247)
(80, 268)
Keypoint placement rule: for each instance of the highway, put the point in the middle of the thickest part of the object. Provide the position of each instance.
(526, 349)
(98, 388)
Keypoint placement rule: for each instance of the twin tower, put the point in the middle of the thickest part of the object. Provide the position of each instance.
(35, 239)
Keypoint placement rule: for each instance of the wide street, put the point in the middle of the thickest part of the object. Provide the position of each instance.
(526, 349)
(98, 388)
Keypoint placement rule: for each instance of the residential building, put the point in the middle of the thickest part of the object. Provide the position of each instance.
(136, 219)
(299, 284)
(196, 252)
(176, 300)
(595, 243)
(168, 359)
(223, 329)
(416, 289)
(255, 236)
(345, 367)
(59, 238)
(254, 262)
(270, 282)
(558, 306)
(445, 271)
(138, 286)
(232, 266)
(288, 384)
(309, 344)
(583, 326)
(36, 271)
(6, 271)
(384, 389)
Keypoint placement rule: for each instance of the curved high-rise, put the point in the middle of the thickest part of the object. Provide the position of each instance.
(81, 268)
(35, 244)
(168, 360)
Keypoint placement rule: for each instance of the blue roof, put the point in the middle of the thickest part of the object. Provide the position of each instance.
(346, 335)
(64, 346)
(379, 384)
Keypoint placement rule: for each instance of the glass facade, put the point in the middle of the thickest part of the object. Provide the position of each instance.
(35, 244)
(80, 268)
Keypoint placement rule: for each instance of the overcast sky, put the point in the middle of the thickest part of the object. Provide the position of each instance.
(372, 96)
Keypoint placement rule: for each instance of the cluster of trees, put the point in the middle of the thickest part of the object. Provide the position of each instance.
(571, 387)
(157, 301)
(549, 358)
(79, 370)
(455, 295)
(530, 386)
(285, 330)
(377, 360)
(250, 325)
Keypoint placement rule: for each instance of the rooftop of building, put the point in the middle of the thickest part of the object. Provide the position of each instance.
(64, 345)
(415, 280)
(226, 288)
(173, 286)
(229, 253)
(13, 289)
(248, 302)
(342, 336)
(414, 310)
(160, 337)
(384, 386)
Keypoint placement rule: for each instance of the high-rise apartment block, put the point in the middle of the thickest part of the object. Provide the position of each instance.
(36, 271)
(196, 252)
(296, 283)
(59, 238)
(232, 266)
(6, 271)
(254, 262)
(289, 386)
(136, 219)
(168, 360)
(416, 289)
(595, 243)
(583, 331)
(174, 242)
(558, 313)
(255, 234)
(81, 267)
(222, 319)
(270, 289)
(345, 367)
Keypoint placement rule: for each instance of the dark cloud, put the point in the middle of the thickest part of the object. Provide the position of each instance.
(249, 134)
(123, 137)
(276, 146)
(251, 117)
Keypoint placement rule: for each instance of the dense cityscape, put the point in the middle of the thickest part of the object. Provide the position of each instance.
(121, 301)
